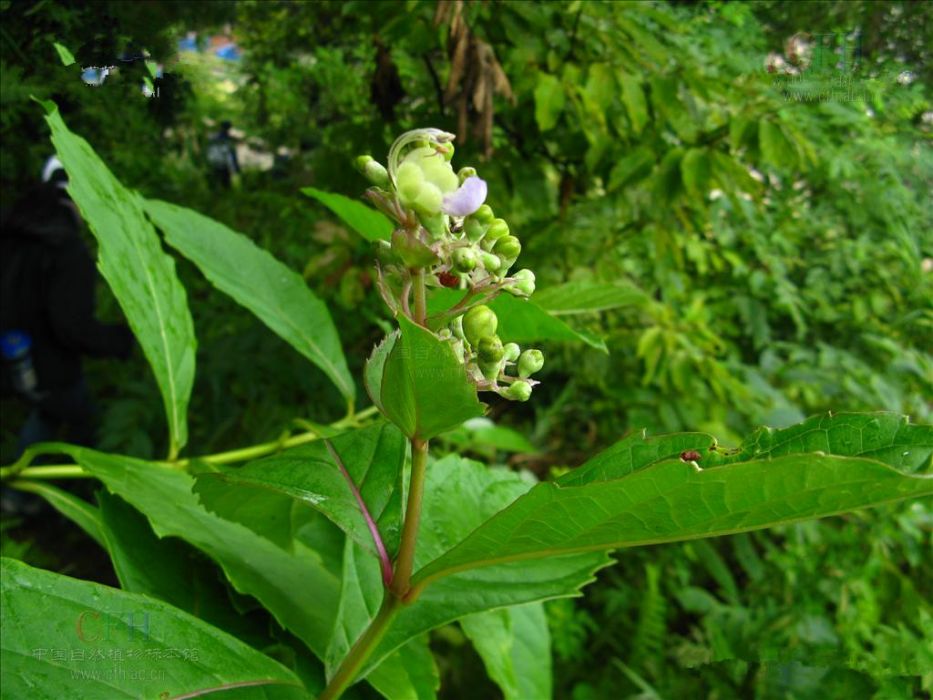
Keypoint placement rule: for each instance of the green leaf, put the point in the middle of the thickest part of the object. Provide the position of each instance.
(62, 638)
(277, 295)
(308, 475)
(282, 581)
(409, 673)
(886, 437)
(675, 500)
(633, 97)
(515, 646)
(270, 513)
(667, 105)
(66, 57)
(520, 320)
(138, 271)
(375, 368)
(775, 148)
(424, 388)
(168, 569)
(584, 296)
(360, 598)
(482, 435)
(549, 101)
(459, 495)
(635, 452)
(695, 168)
(79, 511)
(668, 181)
(742, 132)
(369, 223)
(632, 166)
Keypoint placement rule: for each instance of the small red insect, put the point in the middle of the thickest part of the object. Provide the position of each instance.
(448, 279)
(690, 456)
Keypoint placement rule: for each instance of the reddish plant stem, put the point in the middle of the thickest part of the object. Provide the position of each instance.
(384, 560)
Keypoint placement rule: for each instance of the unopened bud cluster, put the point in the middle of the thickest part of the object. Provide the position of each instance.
(502, 368)
(447, 233)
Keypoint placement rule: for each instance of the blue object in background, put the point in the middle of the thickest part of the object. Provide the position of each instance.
(95, 76)
(189, 43)
(15, 346)
(230, 52)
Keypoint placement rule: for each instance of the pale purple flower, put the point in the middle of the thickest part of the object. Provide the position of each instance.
(466, 199)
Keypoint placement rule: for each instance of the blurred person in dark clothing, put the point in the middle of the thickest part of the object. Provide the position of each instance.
(221, 157)
(47, 312)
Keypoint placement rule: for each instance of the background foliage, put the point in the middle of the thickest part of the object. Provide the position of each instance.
(775, 245)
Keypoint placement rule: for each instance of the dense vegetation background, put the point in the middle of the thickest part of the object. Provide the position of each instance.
(773, 230)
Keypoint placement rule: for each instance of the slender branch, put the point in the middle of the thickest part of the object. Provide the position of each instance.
(469, 300)
(361, 650)
(255, 451)
(438, 88)
(66, 471)
(370, 523)
(406, 553)
(52, 471)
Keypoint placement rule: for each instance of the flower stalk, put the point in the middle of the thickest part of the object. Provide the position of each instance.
(445, 236)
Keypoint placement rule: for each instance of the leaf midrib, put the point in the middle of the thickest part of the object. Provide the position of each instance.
(421, 580)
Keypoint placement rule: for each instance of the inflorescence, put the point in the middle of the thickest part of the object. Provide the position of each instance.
(446, 232)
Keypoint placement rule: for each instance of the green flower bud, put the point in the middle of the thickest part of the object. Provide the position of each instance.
(373, 170)
(490, 262)
(479, 322)
(447, 149)
(474, 229)
(436, 170)
(428, 200)
(512, 352)
(490, 370)
(409, 180)
(524, 283)
(530, 362)
(464, 173)
(518, 391)
(497, 229)
(508, 247)
(433, 223)
(484, 215)
(490, 349)
(465, 259)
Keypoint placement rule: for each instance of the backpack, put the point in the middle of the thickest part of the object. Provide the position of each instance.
(218, 154)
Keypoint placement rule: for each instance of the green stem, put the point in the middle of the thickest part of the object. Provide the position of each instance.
(52, 471)
(421, 306)
(361, 650)
(401, 579)
(396, 595)
(254, 451)
(72, 471)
